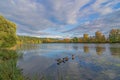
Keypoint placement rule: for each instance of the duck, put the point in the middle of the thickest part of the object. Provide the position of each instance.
(66, 58)
(63, 60)
(59, 60)
(73, 57)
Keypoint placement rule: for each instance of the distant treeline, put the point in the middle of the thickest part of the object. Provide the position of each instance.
(8, 37)
(114, 37)
(28, 39)
(34, 40)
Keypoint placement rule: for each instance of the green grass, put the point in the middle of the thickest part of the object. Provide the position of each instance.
(8, 69)
(8, 54)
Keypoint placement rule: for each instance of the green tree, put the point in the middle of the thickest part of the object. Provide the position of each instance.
(7, 33)
(75, 39)
(114, 35)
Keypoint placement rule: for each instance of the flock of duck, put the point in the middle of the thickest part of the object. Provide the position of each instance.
(63, 60)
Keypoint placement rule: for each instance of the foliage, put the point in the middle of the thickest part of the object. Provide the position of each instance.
(8, 69)
(99, 37)
(7, 33)
(75, 39)
(28, 39)
(7, 55)
(114, 35)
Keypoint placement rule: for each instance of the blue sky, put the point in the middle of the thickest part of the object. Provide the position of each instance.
(62, 18)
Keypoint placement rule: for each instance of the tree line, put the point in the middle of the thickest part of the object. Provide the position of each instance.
(28, 39)
(114, 37)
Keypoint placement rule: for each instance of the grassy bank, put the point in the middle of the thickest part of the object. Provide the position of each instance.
(8, 69)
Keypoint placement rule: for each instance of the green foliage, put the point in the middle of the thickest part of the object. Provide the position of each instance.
(7, 33)
(7, 55)
(28, 39)
(114, 35)
(8, 69)
(75, 39)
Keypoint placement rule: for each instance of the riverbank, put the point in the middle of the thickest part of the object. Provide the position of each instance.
(8, 69)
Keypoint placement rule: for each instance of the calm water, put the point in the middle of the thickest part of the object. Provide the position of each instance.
(82, 62)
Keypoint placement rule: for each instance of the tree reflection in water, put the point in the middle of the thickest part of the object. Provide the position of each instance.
(100, 49)
(115, 52)
(86, 49)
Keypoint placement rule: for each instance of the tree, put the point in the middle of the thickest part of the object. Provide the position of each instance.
(75, 39)
(85, 38)
(99, 37)
(7, 33)
(66, 40)
(114, 35)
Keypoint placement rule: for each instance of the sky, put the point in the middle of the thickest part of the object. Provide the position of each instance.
(62, 18)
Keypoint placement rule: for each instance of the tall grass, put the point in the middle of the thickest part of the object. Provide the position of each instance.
(8, 69)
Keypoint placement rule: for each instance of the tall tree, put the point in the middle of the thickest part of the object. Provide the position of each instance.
(114, 35)
(7, 33)
(99, 37)
(86, 38)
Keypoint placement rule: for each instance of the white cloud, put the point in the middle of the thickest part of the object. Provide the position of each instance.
(36, 15)
(104, 24)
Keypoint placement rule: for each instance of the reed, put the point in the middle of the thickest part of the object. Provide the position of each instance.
(8, 69)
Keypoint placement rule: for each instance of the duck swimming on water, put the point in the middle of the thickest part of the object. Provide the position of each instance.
(66, 58)
(59, 60)
(73, 57)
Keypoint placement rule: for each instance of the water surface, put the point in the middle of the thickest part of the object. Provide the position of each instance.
(85, 61)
